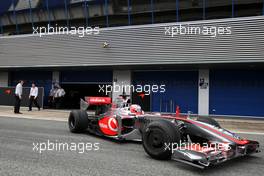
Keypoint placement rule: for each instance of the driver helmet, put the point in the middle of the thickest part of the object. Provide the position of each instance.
(136, 109)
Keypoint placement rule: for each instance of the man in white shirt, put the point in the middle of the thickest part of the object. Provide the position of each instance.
(58, 97)
(18, 97)
(33, 97)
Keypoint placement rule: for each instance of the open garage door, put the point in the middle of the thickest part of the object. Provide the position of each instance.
(41, 78)
(237, 92)
(78, 84)
(181, 89)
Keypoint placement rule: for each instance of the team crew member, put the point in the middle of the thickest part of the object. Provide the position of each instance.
(58, 97)
(52, 94)
(33, 97)
(18, 97)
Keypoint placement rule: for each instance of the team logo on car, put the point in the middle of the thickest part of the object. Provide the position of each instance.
(109, 126)
(112, 124)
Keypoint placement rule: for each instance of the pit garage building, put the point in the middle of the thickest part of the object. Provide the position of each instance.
(222, 75)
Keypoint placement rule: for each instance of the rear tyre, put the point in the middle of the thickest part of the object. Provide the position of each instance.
(209, 120)
(157, 135)
(78, 121)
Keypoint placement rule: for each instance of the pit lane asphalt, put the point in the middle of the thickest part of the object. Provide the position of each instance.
(116, 159)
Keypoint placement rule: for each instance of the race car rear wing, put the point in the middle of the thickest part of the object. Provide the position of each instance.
(98, 101)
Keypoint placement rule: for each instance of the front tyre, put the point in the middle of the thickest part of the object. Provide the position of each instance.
(78, 121)
(159, 134)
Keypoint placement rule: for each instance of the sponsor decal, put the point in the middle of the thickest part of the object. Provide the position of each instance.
(112, 124)
(109, 126)
(98, 100)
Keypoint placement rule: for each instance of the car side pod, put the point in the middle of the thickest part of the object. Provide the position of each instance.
(133, 135)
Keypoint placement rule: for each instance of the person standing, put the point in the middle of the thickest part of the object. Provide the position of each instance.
(52, 93)
(18, 97)
(33, 97)
(58, 97)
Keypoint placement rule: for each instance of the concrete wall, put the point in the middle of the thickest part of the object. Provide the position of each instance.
(203, 92)
(121, 77)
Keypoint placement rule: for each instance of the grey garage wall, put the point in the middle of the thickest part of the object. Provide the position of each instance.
(138, 45)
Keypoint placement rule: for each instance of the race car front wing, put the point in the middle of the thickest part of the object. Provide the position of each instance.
(201, 157)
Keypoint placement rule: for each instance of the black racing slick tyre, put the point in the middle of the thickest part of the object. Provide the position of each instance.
(78, 121)
(157, 136)
(209, 120)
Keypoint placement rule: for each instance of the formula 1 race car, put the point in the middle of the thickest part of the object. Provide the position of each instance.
(198, 141)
